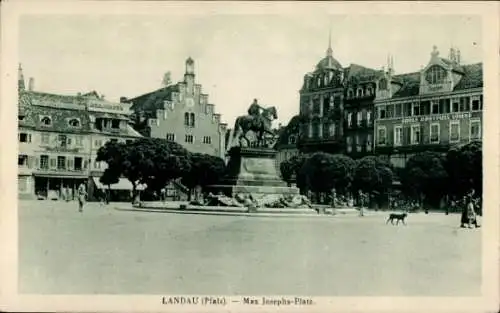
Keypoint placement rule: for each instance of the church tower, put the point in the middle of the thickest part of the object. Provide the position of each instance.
(189, 75)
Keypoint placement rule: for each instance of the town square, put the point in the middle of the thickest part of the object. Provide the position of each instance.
(261, 158)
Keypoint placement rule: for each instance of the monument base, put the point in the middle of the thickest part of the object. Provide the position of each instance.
(252, 171)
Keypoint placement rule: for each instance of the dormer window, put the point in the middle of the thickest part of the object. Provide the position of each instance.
(326, 80)
(292, 140)
(46, 121)
(369, 91)
(115, 124)
(74, 122)
(435, 74)
(382, 84)
(20, 117)
(359, 92)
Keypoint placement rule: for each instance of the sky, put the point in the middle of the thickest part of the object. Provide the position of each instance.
(237, 57)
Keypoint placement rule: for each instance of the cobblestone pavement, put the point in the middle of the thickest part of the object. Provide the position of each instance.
(104, 250)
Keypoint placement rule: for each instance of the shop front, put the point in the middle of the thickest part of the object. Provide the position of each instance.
(119, 192)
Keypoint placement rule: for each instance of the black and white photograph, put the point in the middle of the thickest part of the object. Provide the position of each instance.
(250, 155)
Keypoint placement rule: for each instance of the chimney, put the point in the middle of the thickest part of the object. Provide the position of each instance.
(452, 55)
(458, 56)
(123, 99)
(31, 84)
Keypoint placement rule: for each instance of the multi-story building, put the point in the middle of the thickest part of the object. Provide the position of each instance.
(181, 113)
(336, 108)
(58, 137)
(321, 107)
(286, 144)
(429, 110)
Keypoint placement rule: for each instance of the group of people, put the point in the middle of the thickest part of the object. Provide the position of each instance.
(469, 213)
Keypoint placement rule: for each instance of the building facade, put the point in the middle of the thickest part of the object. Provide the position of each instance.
(181, 113)
(286, 144)
(58, 138)
(429, 110)
(336, 108)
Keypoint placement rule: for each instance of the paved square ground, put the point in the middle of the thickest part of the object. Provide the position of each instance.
(108, 251)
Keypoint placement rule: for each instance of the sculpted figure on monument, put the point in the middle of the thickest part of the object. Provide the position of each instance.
(259, 121)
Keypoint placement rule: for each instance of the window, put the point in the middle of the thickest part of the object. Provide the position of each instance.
(79, 141)
(348, 142)
(369, 142)
(325, 80)
(476, 106)
(358, 143)
(45, 138)
(435, 74)
(44, 162)
(97, 164)
(78, 163)
(415, 109)
(434, 133)
(369, 117)
(382, 84)
(331, 130)
(24, 137)
(464, 104)
(434, 107)
(292, 140)
(381, 135)
(129, 141)
(20, 117)
(454, 131)
(369, 91)
(115, 124)
(170, 137)
(349, 119)
(381, 111)
(46, 121)
(316, 106)
(114, 140)
(207, 139)
(398, 110)
(332, 102)
(186, 119)
(359, 118)
(74, 122)
(475, 129)
(319, 81)
(398, 135)
(192, 124)
(22, 160)
(61, 163)
(63, 140)
(98, 142)
(189, 138)
(315, 128)
(359, 92)
(389, 111)
(415, 134)
(455, 102)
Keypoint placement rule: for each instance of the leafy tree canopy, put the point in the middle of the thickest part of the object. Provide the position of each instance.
(205, 170)
(372, 174)
(325, 171)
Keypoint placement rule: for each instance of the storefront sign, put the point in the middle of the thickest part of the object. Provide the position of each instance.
(438, 117)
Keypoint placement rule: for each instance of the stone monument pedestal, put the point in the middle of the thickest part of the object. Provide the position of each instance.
(252, 171)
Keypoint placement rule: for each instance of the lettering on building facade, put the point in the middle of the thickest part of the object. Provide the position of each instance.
(435, 118)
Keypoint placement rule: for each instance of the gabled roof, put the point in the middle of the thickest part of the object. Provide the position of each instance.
(291, 129)
(153, 101)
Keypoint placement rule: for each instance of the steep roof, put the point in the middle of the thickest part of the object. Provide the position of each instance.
(361, 73)
(410, 85)
(291, 129)
(153, 101)
(473, 77)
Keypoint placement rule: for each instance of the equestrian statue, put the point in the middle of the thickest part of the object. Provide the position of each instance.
(259, 121)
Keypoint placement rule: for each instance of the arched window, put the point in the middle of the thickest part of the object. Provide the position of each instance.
(46, 121)
(350, 93)
(192, 124)
(369, 90)
(435, 74)
(74, 122)
(359, 92)
(325, 79)
(186, 119)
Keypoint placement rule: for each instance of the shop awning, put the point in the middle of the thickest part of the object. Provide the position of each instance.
(123, 184)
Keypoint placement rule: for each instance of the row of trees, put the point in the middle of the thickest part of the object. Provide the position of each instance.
(427, 177)
(156, 162)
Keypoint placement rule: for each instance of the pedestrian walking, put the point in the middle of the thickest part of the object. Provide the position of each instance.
(82, 194)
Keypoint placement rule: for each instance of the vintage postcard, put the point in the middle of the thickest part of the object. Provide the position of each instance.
(249, 156)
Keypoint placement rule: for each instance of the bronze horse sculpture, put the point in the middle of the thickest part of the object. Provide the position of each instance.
(259, 123)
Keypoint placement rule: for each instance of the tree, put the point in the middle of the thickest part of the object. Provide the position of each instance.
(290, 168)
(149, 161)
(372, 174)
(110, 176)
(324, 171)
(424, 177)
(204, 170)
(464, 165)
